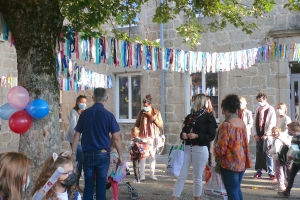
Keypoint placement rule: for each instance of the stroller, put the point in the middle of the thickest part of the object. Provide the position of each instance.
(131, 190)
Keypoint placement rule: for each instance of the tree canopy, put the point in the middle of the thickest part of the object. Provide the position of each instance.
(89, 16)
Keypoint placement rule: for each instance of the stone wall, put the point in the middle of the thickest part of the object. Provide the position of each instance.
(8, 68)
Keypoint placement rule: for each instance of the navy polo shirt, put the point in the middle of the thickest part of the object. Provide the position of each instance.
(95, 124)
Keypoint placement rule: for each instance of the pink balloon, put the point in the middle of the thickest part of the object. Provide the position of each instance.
(18, 97)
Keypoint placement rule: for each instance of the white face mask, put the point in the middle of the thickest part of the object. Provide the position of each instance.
(206, 105)
(262, 103)
(242, 105)
(25, 186)
(146, 109)
(280, 111)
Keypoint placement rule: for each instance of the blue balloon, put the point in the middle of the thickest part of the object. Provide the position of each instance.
(6, 110)
(38, 108)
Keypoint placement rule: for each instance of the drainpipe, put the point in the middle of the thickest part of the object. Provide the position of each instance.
(162, 74)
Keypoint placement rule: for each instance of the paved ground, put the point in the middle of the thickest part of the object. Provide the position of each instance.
(162, 189)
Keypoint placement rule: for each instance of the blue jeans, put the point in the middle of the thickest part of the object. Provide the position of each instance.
(79, 162)
(270, 164)
(95, 163)
(232, 182)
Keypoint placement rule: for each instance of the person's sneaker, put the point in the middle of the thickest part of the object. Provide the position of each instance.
(153, 177)
(136, 181)
(257, 175)
(281, 189)
(127, 172)
(142, 178)
(272, 177)
(284, 194)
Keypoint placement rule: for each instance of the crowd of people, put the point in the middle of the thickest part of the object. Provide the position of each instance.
(96, 148)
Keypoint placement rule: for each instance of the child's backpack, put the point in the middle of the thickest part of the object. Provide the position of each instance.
(139, 150)
(282, 155)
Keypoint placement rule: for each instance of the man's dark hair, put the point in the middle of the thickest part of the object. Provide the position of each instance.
(100, 94)
(231, 103)
(261, 95)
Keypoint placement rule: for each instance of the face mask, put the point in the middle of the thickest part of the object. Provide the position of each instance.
(290, 133)
(206, 105)
(242, 105)
(25, 186)
(82, 106)
(262, 103)
(69, 181)
(280, 112)
(146, 109)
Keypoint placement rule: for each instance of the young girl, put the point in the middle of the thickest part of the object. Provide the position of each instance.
(112, 169)
(13, 175)
(64, 188)
(274, 150)
(135, 160)
(283, 120)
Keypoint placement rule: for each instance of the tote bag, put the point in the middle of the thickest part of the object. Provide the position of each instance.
(175, 160)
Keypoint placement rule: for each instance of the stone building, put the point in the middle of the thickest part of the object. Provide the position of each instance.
(278, 78)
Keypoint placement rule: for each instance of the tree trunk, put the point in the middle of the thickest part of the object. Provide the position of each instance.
(35, 25)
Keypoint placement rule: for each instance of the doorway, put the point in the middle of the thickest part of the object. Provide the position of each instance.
(294, 91)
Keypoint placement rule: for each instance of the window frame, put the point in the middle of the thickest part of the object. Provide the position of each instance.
(117, 100)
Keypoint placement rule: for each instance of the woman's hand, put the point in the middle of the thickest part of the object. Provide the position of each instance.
(148, 114)
(256, 138)
(192, 135)
(184, 136)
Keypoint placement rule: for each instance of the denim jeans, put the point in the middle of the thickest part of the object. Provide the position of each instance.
(95, 163)
(232, 182)
(79, 162)
(293, 173)
(270, 164)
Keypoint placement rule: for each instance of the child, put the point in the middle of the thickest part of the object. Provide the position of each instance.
(135, 158)
(276, 147)
(64, 188)
(293, 129)
(112, 169)
(14, 170)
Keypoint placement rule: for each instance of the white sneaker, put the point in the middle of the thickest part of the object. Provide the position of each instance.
(153, 177)
(142, 178)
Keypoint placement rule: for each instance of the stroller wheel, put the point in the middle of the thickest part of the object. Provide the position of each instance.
(134, 195)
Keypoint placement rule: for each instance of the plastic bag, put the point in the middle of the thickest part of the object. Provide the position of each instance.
(175, 160)
(214, 187)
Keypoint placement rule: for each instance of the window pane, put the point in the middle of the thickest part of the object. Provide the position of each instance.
(123, 97)
(136, 95)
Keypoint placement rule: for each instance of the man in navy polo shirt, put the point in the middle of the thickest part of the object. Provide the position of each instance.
(95, 124)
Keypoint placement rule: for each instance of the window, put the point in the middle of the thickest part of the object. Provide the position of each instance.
(207, 84)
(128, 97)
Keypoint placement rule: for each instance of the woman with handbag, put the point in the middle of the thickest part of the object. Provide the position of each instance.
(198, 131)
(149, 121)
(231, 149)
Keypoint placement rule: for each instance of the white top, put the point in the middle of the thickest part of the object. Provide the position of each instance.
(283, 122)
(73, 118)
(64, 196)
(275, 148)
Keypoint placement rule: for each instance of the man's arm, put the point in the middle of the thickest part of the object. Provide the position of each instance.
(75, 144)
(117, 140)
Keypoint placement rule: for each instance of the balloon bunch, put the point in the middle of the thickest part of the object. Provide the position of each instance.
(19, 112)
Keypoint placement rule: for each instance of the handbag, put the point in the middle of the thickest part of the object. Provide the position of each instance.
(120, 173)
(175, 160)
(160, 142)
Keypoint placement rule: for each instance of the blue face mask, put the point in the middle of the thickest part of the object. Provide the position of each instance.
(82, 106)
(146, 109)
